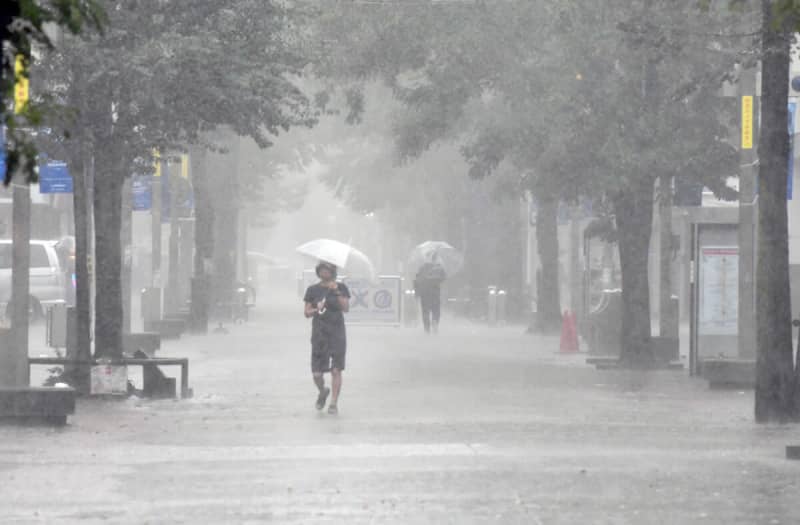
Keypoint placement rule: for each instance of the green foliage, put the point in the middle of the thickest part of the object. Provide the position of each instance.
(564, 103)
(23, 27)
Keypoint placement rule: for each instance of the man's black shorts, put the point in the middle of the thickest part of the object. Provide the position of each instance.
(328, 352)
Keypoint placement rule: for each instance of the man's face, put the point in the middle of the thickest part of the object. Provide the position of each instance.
(325, 274)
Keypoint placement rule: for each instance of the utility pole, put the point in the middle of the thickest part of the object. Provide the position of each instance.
(749, 103)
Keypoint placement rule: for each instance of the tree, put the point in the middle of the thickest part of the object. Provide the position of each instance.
(23, 26)
(585, 129)
(777, 396)
(166, 76)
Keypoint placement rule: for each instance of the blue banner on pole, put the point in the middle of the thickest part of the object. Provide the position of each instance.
(54, 177)
(2, 150)
(142, 189)
(792, 120)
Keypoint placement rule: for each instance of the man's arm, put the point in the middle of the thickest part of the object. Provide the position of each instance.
(344, 302)
(342, 297)
(310, 310)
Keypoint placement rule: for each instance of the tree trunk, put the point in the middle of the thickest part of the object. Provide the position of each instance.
(17, 372)
(204, 242)
(83, 302)
(667, 316)
(549, 296)
(634, 215)
(127, 250)
(108, 254)
(775, 378)
(225, 245)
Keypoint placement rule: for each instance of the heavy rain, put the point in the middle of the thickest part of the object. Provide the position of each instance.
(399, 261)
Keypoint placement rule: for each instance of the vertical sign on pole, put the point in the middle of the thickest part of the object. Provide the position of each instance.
(747, 122)
(21, 85)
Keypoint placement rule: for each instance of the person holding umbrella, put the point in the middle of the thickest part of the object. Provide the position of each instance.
(428, 287)
(325, 304)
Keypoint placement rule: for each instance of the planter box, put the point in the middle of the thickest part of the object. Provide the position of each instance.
(729, 373)
(43, 405)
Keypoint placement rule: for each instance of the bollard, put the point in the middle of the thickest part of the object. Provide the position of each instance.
(57, 325)
(410, 310)
(151, 307)
(502, 298)
(491, 304)
(240, 310)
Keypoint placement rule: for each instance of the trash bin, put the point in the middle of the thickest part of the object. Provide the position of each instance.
(410, 311)
(151, 306)
(491, 304)
(240, 309)
(502, 299)
(605, 324)
(57, 325)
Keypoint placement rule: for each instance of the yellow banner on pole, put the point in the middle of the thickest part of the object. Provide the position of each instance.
(21, 85)
(157, 162)
(747, 122)
(185, 166)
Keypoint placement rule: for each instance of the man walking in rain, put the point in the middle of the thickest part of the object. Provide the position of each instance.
(326, 303)
(428, 287)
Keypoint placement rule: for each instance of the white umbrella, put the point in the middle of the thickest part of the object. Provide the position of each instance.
(349, 260)
(451, 259)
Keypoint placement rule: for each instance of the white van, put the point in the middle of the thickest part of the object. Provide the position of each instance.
(48, 282)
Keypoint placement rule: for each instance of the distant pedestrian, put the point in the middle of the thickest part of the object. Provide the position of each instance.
(428, 287)
(326, 303)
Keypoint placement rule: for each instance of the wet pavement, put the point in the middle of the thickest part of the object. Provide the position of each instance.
(475, 425)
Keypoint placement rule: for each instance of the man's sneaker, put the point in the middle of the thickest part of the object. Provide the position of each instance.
(322, 398)
(332, 410)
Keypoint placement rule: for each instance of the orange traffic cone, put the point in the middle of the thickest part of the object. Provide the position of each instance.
(569, 333)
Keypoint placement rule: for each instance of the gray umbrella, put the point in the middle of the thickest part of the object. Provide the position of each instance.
(451, 259)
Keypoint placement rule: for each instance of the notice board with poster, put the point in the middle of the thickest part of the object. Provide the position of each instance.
(378, 303)
(719, 290)
(714, 282)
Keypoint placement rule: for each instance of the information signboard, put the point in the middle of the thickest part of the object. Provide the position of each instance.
(54, 177)
(719, 290)
(378, 303)
(141, 188)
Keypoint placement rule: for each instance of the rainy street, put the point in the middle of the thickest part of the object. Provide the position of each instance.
(400, 262)
(477, 425)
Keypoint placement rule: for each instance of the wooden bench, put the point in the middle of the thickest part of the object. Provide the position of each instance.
(183, 362)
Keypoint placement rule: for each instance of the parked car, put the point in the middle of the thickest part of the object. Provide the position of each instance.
(49, 282)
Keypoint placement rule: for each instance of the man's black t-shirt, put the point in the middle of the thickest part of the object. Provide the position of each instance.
(331, 321)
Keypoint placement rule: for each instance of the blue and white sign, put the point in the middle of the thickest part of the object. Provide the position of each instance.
(54, 177)
(375, 303)
(141, 187)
